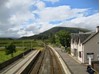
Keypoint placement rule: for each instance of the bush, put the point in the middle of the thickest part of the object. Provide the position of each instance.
(10, 49)
(68, 50)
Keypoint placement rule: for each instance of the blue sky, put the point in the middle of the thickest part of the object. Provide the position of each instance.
(29, 17)
(93, 4)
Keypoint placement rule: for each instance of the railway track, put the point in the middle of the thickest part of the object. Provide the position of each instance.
(47, 63)
(56, 66)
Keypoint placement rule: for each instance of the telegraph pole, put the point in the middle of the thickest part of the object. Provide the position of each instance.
(23, 48)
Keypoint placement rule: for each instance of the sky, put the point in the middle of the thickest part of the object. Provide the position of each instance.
(29, 17)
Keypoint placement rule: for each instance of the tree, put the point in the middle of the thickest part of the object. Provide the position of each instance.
(52, 39)
(10, 49)
(64, 38)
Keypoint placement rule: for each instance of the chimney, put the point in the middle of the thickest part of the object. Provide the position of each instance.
(97, 29)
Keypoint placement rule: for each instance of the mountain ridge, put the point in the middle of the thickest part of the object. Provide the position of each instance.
(46, 34)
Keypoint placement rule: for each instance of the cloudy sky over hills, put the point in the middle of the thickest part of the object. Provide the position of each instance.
(28, 17)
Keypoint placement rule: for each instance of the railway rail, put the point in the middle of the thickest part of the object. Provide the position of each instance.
(44, 62)
(47, 63)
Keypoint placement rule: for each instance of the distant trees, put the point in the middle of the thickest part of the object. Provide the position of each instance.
(52, 39)
(10, 49)
(64, 38)
(61, 38)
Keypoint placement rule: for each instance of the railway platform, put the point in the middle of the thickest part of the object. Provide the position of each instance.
(19, 66)
(74, 66)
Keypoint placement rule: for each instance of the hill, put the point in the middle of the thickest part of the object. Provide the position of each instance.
(53, 31)
(6, 38)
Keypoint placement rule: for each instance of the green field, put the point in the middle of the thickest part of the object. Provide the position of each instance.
(21, 46)
(4, 57)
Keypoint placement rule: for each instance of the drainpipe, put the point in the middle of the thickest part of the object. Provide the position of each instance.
(82, 54)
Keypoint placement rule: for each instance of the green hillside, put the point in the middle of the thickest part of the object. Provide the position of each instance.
(53, 31)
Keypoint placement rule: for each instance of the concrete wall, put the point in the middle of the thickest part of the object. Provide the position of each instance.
(92, 46)
(73, 46)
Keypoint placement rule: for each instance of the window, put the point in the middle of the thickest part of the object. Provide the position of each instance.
(80, 54)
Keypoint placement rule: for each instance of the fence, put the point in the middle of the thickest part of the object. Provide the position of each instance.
(8, 62)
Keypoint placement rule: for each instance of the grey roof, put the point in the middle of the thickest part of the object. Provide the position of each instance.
(79, 36)
(74, 37)
(92, 35)
(82, 37)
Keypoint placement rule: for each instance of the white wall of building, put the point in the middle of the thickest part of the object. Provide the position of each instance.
(73, 47)
(80, 50)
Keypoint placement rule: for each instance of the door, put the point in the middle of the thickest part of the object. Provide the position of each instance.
(75, 52)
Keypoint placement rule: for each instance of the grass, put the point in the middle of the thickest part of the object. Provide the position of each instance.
(4, 57)
(18, 43)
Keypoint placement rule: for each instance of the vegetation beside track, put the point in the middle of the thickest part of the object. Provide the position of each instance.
(21, 46)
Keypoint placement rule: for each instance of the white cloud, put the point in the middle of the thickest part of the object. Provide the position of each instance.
(13, 14)
(40, 5)
(21, 17)
(17, 4)
(25, 33)
(89, 22)
(15, 17)
(58, 13)
(45, 26)
(38, 27)
(32, 27)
